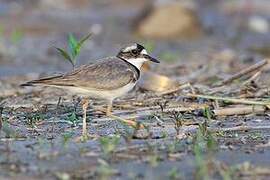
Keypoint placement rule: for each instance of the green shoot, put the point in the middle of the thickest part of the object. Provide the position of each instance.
(174, 174)
(66, 137)
(177, 119)
(109, 144)
(16, 36)
(8, 130)
(74, 48)
(33, 118)
(1, 112)
(203, 141)
(1, 31)
(73, 119)
(208, 113)
(104, 170)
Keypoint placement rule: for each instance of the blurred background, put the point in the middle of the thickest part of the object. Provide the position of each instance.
(201, 42)
(215, 37)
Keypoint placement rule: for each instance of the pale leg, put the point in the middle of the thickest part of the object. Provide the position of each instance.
(85, 103)
(109, 108)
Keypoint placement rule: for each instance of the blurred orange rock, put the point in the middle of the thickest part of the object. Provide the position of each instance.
(169, 21)
(65, 4)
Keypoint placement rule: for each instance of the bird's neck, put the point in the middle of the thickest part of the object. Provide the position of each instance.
(137, 62)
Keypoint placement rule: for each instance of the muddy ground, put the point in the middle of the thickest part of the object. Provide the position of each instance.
(177, 136)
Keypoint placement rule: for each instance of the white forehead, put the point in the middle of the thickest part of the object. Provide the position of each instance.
(144, 51)
(130, 48)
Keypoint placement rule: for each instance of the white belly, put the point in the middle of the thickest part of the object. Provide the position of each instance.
(102, 94)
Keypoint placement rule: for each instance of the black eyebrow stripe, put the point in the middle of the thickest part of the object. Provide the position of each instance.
(140, 47)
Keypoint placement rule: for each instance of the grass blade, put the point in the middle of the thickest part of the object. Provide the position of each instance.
(81, 42)
(72, 43)
(65, 55)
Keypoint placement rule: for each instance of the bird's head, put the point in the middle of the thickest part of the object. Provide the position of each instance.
(136, 55)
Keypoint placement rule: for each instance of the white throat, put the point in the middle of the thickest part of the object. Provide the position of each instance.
(138, 62)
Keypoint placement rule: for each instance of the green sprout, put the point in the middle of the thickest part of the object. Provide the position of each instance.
(1, 31)
(174, 174)
(177, 119)
(208, 113)
(16, 36)
(104, 170)
(109, 144)
(1, 112)
(204, 147)
(66, 137)
(73, 119)
(33, 118)
(74, 48)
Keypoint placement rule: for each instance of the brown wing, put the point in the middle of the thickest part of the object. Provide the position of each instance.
(108, 74)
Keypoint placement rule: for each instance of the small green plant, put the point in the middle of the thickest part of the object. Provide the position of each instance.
(16, 36)
(174, 174)
(1, 122)
(174, 146)
(109, 144)
(203, 143)
(8, 130)
(33, 118)
(104, 170)
(162, 105)
(177, 119)
(1, 31)
(208, 113)
(154, 159)
(255, 136)
(66, 137)
(74, 48)
(73, 119)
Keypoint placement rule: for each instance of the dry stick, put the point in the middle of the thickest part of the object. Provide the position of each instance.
(232, 100)
(239, 110)
(1, 112)
(240, 128)
(245, 71)
(128, 122)
(146, 112)
(253, 78)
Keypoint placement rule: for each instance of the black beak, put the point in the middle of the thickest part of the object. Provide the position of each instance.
(146, 56)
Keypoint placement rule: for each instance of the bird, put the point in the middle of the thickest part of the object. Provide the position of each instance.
(107, 79)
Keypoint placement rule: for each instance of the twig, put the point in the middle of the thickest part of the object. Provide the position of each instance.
(239, 128)
(239, 110)
(1, 112)
(142, 112)
(128, 122)
(253, 78)
(232, 100)
(245, 71)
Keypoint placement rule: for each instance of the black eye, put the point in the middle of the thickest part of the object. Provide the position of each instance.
(134, 51)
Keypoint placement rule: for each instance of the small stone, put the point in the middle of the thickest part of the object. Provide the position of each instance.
(169, 21)
(258, 24)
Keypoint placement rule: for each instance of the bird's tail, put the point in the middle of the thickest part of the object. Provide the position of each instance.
(42, 81)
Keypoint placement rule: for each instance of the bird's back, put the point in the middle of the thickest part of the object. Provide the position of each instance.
(107, 74)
